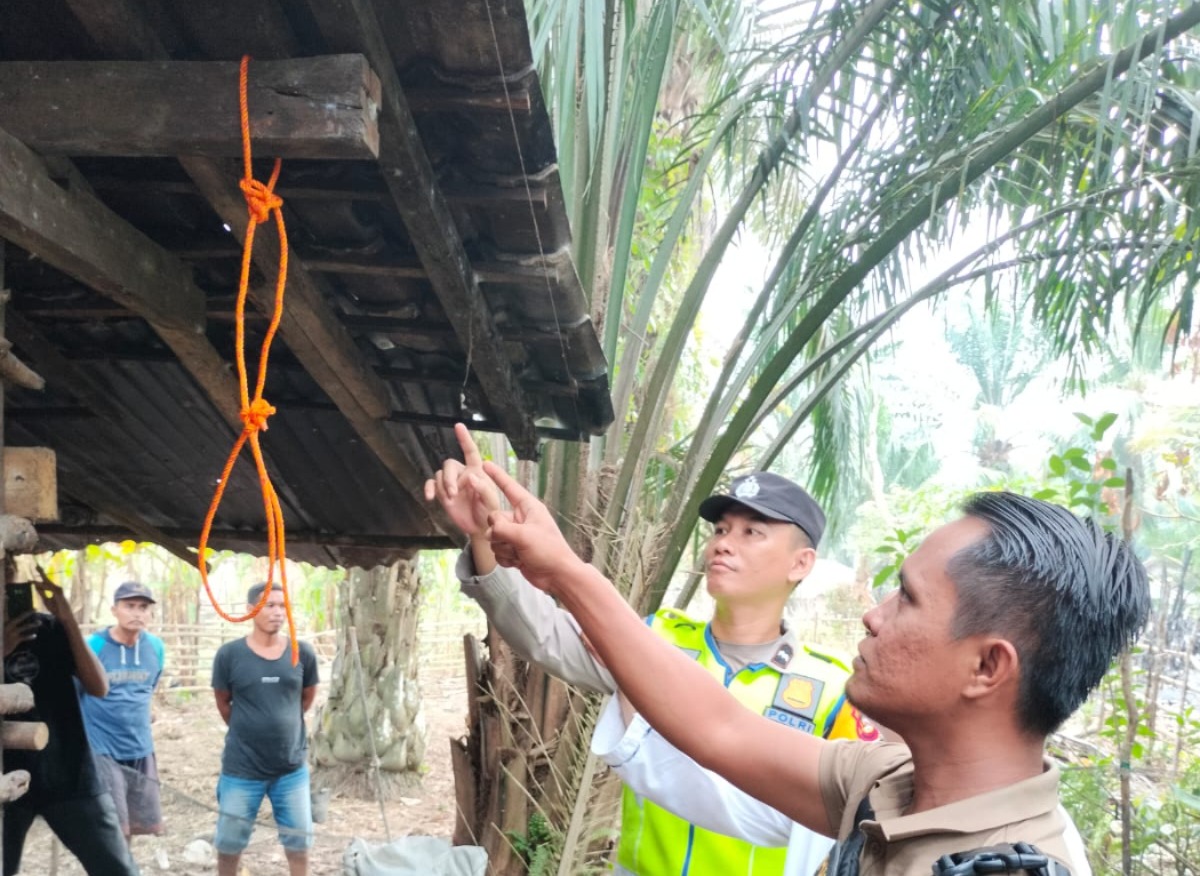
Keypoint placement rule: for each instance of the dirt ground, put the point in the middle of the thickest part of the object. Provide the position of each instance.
(188, 738)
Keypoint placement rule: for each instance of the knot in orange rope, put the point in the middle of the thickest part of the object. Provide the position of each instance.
(255, 416)
(261, 203)
(260, 200)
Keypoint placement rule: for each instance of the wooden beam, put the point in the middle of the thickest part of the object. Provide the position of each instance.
(17, 534)
(84, 239)
(443, 100)
(421, 419)
(16, 372)
(310, 330)
(462, 193)
(351, 25)
(323, 107)
(80, 382)
(408, 268)
(24, 735)
(225, 536)
(136, 525)
(31, 483)
(394, 373)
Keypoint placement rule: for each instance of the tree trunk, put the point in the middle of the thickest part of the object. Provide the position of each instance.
(518, 771)
(380, 605)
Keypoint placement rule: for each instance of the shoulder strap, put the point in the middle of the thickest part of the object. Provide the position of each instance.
(845, 855)
(1003, 858)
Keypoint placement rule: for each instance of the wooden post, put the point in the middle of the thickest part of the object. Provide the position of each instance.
(24, 735)
(12, 785)
(14, 533)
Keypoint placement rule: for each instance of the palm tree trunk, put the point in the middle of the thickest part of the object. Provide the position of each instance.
(382, 702)
(527, 732)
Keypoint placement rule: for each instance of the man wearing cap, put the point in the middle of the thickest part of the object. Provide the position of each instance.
(118, 725)
(262, 697)
(765, 532)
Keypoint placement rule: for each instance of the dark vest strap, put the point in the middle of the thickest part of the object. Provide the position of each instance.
(1003, 858)
(844, 857)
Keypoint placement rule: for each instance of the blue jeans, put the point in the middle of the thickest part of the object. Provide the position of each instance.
(238, 801)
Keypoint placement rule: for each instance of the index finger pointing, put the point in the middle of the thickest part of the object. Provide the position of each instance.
(467, 443)
(516, 494)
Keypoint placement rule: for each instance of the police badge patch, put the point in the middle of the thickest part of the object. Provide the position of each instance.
(747, 489)
(796, 700)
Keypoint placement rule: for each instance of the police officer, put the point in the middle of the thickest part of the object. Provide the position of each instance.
(765, 533)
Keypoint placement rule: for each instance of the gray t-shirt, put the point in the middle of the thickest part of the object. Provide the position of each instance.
(266, 736)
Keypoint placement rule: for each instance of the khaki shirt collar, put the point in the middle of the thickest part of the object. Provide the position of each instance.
(990, 811)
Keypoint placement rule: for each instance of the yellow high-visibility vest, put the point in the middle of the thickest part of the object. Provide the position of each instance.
(801, 687)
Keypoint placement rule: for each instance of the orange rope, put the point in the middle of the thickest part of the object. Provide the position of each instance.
(261, 203)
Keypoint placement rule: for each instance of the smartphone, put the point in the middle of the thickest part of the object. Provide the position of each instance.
(19, 599)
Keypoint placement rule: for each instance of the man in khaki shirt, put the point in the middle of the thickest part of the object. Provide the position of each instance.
(762, 545)
(1004, 620)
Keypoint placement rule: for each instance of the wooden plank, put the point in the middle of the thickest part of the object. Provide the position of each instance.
(103, 532)
(24, 735)
(309, 327)
(461, 193)
(71, 230)
(138, 527)
(31, 483)
(324, 107)
(81, 237)
(351, 25)
(442, 100)
(319, 340)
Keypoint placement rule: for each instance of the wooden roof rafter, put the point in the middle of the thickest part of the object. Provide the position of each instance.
(351, 26)
(308, 327)
(389, 328)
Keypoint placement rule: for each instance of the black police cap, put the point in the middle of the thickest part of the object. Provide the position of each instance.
(772, 496)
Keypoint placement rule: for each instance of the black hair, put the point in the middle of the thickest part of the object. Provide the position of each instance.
(1067, 594)
(255, 593)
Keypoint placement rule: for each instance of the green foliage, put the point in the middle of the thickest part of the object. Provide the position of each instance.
(1166, 821)
(1079, 483)
(537, 846)
(1070, 480)
(894, 549)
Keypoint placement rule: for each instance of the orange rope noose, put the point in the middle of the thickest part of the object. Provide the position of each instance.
(261, 203)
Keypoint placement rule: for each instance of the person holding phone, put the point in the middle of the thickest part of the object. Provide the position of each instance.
(46, 651)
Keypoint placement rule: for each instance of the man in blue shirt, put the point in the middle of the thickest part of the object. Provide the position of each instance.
(118, 725)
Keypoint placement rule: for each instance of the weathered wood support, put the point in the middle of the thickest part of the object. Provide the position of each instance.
(310, 330)
(219, 537)
(323, 107)
(15, 698)
(16, 372)
(17, 534)
(13, 785)
(351, 25)
(81, 237)
(24, 735)
(31, 483)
